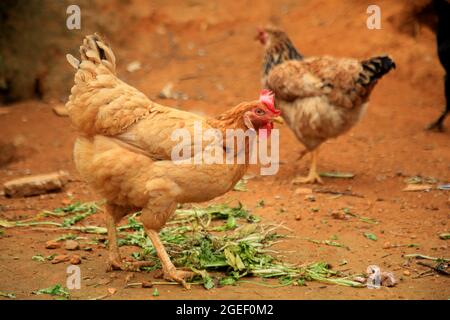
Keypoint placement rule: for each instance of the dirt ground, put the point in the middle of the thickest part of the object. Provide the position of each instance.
(206, 49)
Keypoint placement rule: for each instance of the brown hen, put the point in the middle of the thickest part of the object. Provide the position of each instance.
(320, 97)
(125, 148)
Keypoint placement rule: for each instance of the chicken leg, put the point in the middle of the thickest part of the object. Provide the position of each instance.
(153, 217)
(312, 176)
(170, 272)
(114, 214)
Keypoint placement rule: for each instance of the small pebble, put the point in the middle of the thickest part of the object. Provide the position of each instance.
(75, 259)
(339, 215)
(387, 245)
(71, 245)
(112, 291)
(388, 279)
(147, 284)
(303, 191)
(60, 258)
(52, 244)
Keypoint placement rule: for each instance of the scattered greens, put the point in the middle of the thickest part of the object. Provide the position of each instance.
(7, 295)
(67, 236)
(221, 244)
(444, 236)
(226, 253)
(38, 258)
(363, 219)
(260, 204)
(56, 290)
(51, 257)
(330, 242)
(241, 185)
(81, 210)
(370, 236)
(420, 180)
(76, 207)
(155, 292)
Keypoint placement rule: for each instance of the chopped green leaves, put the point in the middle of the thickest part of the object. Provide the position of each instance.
(38, 258)
(370, 236)
(222, 244)
(444, 236)
(56, 290)
(7, 295)
(241, 186)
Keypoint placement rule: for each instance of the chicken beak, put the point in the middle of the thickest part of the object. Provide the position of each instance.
(278, 120)
(260, 36)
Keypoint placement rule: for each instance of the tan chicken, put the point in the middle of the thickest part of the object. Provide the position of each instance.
(125, 146)
(320, 97)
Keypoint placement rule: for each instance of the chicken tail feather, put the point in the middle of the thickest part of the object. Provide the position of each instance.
(99, 102)
(74, 62)
(374, 69)
(94, 52)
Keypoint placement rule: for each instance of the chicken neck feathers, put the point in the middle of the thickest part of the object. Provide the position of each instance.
(278, 53)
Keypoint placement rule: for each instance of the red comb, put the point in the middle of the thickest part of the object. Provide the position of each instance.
(267, 97)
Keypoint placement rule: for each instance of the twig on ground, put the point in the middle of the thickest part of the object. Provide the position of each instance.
(341, 193)
(422, 256)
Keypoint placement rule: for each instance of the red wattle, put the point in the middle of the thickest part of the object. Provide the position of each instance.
(268, 127)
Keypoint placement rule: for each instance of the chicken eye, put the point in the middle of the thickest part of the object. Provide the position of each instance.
(260, 112)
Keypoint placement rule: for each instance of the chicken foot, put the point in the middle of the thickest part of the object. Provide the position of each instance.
(170, 272)
(115, 261)
(313, 175)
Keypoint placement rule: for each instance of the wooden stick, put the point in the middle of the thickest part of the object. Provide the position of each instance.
(421, 256)
(341, 193)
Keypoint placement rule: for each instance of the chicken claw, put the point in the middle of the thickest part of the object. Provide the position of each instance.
(114, 264)
(313, 176)
(179, 276)
(169, 271)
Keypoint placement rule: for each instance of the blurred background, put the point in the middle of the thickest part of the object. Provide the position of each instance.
(205, 42)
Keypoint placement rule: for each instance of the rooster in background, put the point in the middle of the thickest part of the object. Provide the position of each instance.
(125, 145)
(442, 8)
(320, 97)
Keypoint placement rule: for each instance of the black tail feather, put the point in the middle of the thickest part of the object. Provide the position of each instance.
(375, 68)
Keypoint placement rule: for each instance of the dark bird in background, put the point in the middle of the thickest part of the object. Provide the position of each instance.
(442, 8)
(320, 97)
